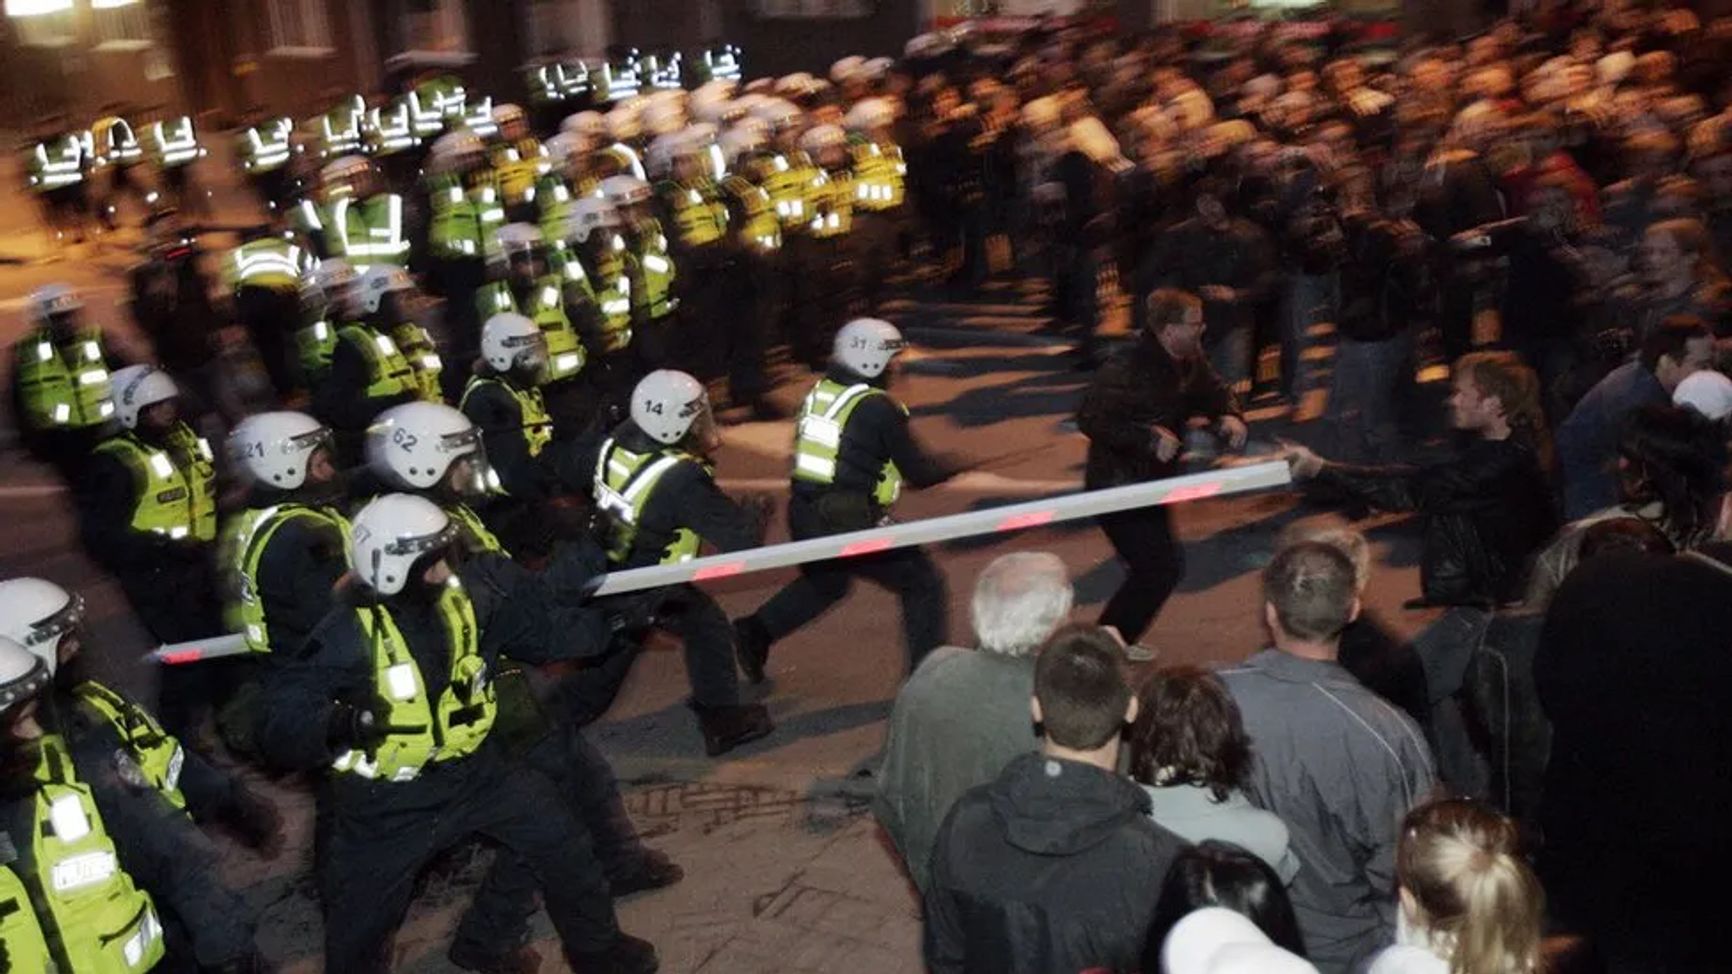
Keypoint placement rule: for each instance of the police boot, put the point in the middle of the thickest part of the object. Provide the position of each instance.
(727, 727)
(626, 955)
(522, 960)
(649, 870)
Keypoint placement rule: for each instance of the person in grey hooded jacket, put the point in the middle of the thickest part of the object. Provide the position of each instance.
(1336, 762)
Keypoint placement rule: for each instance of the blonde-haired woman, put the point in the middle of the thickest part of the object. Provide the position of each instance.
(1469, 904)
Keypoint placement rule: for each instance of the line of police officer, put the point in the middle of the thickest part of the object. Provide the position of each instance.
(436, 683)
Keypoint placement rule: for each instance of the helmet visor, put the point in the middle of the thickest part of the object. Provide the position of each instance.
(48, 632)
(415, 548)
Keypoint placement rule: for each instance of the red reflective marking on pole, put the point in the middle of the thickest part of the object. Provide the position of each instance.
(1192, 492)
(865, 547)
(182, 656)
(708, 572)
(1032, 519)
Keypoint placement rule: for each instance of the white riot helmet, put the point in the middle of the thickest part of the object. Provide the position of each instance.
(876, 68)
(52, 300)
(137, 388)
(22, 675)
(869, 114)
(565, 147)
(412, 446)
(391, 534)
(823, 140)
(518, 240)
(336, 280)
(589, 215)
(625, 122)
(846, 69)
(342, 176)
(865, 346)
(453, 150)
(380, 280)
(507, 114)
(591, 125)
(794, 85)
(740, 140)
(663, 116)
(778, 113)
(275, 449)
(666, 404)
(36, 613)
(507, 338)
(659, 159)
(623, 191)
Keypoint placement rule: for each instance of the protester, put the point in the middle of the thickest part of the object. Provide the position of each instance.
(1190, 752)
(1216, 873)
(1055, 865)
(963, 714)
(1337, 764)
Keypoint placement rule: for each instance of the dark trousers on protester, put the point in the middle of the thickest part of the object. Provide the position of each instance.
(1154, 564)
(907, 572)
(381, 835)
(497, 921)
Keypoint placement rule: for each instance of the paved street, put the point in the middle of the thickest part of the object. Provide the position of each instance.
(785, 868)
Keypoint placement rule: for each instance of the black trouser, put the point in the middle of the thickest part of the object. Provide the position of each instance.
(498, 918)
(175, 598)
(750, 304)
(378, 843)
(824, 295)
(704, 285)
(270, 318)
(457, 280)
(1154, 564)
(907, 572)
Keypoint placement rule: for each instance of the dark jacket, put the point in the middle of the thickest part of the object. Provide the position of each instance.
(297, 576)
(877, 432)
(1382, 277)
(558, 468)
(341, 400)
(1632, 669)
(1487, 511)
(158, 845)
(1053, 868)
(1588, 439)
(532, 617)
(1194, 255)
(1138, 388)
(686, 497)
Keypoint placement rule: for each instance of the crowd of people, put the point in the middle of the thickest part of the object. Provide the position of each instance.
(487, 359)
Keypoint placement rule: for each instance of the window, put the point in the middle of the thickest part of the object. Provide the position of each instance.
(816, 9)
(120, 23)
(427, 25)
(41, 23)
(297, 25)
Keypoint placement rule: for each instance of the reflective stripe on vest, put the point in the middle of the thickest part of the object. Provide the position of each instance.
(192, 454)
(25, 945)
(64, 166)
(519, 166)
(760, 229)
(155, 750)
(818, 438)
(315, 344)
(623, 484)
(655, 271)
(788, 180)
(417, 733)
(63, 385)
(340, 129)
(464, 221)
(95, 919)
(114, 142)
(246, 538)
(266, 148)
(163, 501)
(175, 145)
(566, 355)
(388, 372)
(880, 176)
(613, 294)
(423, 356)
(269, 263)
(369, 232)
(537, 423)
(475, 532)
(700, 217)
(390, 130)
(832, 199)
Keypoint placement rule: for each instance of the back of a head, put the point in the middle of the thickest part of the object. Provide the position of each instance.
(1337, 533)
(1079, 681)
(1222, 874)
(1019, 600)
(1468, 888)
(1676, 457)
(1189, 732)
(1314, 591)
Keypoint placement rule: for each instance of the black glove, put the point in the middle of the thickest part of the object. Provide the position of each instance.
(632, 614)
(352, 728)
(257, 822)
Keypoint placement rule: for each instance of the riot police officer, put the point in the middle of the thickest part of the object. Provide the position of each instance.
(396, 699)
(101, 857)
(853, 451)
(464, 214)
(61, 386)
(369, 371)
(527, 282)
(655, 490)
(147, 509)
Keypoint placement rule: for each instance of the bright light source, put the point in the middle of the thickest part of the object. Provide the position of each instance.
(111, 4)
(36, 8)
